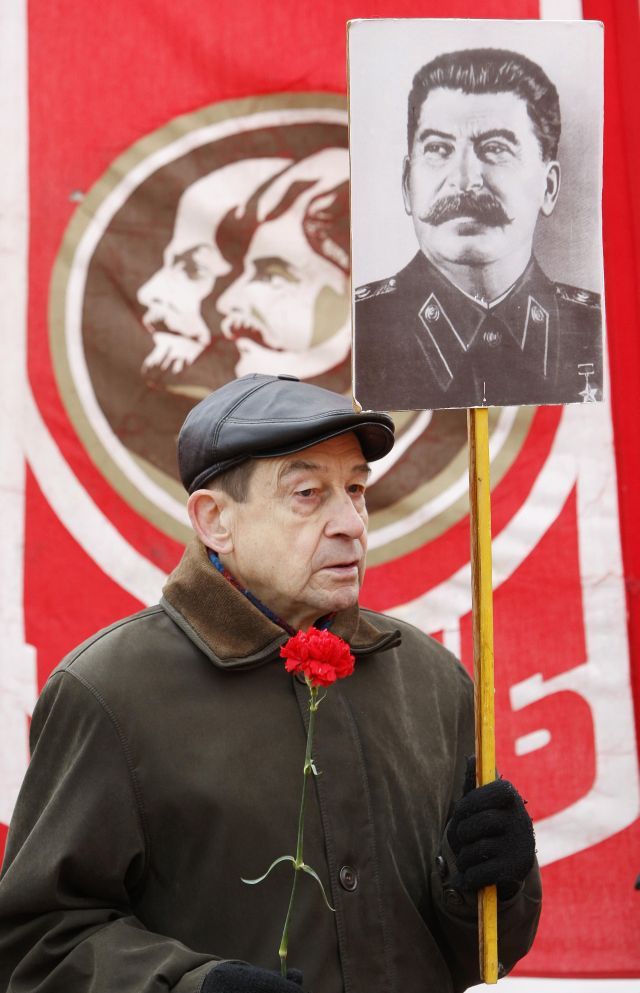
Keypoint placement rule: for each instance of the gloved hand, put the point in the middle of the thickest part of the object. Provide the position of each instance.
(491, 836)
(240, 977)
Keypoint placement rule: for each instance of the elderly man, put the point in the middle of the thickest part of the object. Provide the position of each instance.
(472, 319)
(167, 752)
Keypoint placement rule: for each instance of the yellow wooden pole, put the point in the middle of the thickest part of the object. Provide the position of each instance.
(482, 601)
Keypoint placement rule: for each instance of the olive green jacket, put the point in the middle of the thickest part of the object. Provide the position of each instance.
(167, 757)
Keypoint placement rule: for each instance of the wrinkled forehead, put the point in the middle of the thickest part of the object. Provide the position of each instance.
(460, 114)
(341, 455)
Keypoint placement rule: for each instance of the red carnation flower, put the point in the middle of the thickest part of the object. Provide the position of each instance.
(321, 656)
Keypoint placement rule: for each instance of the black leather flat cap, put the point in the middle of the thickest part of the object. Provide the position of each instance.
(257, 417)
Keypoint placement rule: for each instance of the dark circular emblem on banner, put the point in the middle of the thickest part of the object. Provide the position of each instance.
(219, 246)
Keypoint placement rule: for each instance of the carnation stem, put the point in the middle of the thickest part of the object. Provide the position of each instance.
(299, 862)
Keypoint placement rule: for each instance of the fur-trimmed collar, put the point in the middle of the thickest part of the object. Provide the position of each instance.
(231, 631)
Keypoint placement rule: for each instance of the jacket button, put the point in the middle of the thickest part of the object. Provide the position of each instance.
(492, 338)
(348, 878)
(432, 313)
(537, 313)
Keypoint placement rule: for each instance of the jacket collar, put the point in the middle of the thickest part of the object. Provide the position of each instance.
(421, 279)
(231, 631)
(452, 320)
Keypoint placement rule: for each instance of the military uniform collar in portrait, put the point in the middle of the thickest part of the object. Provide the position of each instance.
(421, 342)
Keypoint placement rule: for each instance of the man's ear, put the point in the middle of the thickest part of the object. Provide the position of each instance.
(211, 515)
(406, 170)
(552, 188)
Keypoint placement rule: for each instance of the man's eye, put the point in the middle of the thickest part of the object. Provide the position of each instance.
(274, 278)
(196, 271)
(436, 150)
(356, 489)
(273, 271)
(495, 151)
(192, 269)
(305, 493)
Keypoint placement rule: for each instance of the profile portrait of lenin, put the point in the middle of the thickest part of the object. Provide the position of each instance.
(473, 320)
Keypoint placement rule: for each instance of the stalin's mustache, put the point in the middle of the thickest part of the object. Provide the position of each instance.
(483, 207)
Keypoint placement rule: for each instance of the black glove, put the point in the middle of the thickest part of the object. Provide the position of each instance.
(240, 977)
(491, 836)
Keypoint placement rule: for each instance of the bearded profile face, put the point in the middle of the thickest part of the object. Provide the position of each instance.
(288, 310)
(192, 262)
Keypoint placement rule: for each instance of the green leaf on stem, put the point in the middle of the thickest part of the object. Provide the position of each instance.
(311, 872)
(283, 858)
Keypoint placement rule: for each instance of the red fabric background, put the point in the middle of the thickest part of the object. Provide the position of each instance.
(103, 75)
(622, 280)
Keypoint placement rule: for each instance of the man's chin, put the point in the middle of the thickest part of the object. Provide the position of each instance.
(475, 248)
(339, 594)
(346, 597)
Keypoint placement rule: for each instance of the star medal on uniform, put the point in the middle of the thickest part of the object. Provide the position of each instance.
(589, 394)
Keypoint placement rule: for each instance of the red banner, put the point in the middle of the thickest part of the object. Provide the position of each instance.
(150, 130)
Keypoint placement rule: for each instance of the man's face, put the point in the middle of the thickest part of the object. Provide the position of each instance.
(475, 181)
(288, 296)
(299, 541)
(173, 295)
(192, 262)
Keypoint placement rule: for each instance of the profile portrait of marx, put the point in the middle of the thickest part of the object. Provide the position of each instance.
(473, 320)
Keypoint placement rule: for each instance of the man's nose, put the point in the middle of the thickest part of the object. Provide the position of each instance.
(344, 518)
(231, 298)
(466, 172)
(152, 291)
